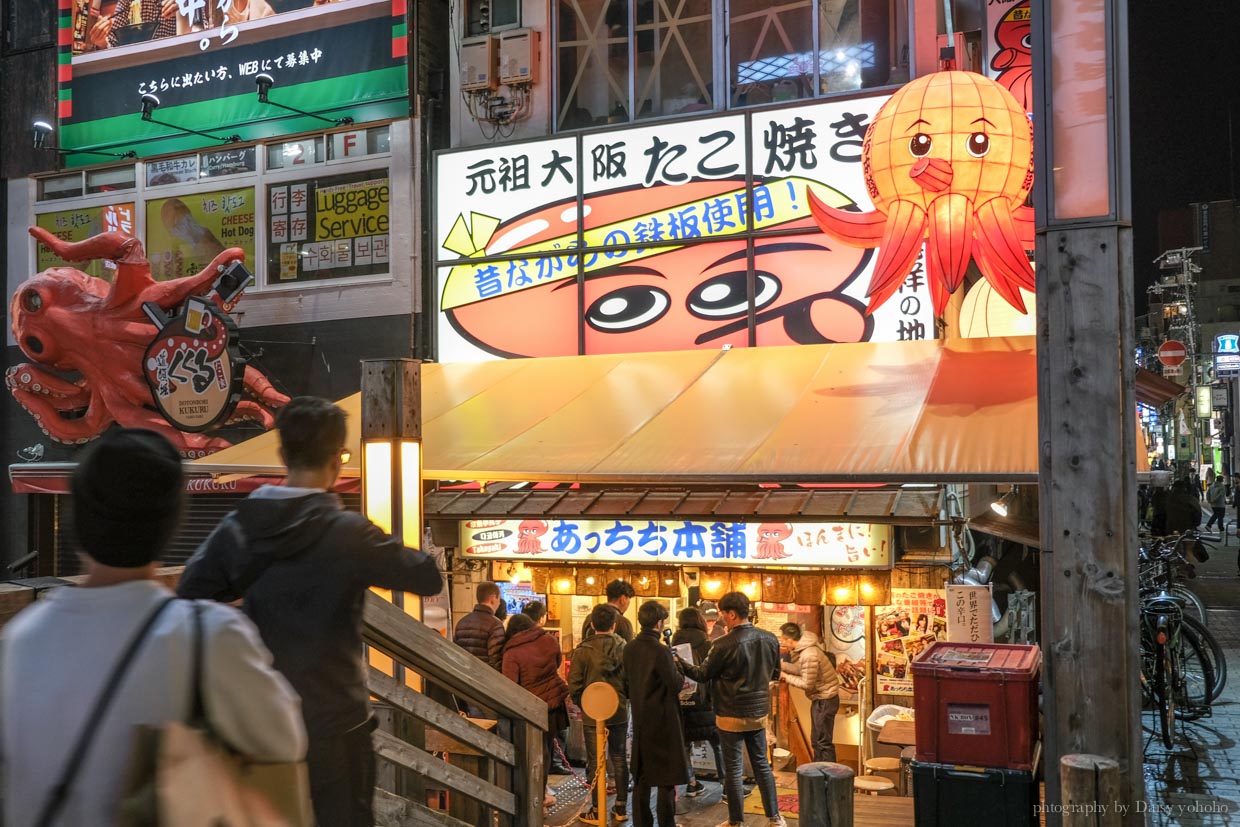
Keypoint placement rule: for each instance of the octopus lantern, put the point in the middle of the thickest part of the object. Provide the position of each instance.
(68, 321)
(528, 534)
(948, 162)
(771, 538)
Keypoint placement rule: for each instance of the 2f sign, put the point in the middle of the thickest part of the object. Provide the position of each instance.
(968, 614)
(349, 144)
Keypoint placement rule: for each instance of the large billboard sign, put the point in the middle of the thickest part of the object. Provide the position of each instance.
(200, 58)
(688, 234)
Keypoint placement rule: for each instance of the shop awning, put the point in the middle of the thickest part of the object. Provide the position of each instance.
(1155, 390)
(931, 411)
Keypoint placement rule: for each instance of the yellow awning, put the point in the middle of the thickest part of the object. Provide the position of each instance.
(964, 410)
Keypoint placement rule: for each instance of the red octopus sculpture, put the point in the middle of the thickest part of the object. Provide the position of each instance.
(70, 321)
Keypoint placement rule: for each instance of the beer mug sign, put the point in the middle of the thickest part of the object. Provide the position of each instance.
(192, 366)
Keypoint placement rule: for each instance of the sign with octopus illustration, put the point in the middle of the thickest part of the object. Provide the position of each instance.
(845, 221)
(720, 543)
(90, 343)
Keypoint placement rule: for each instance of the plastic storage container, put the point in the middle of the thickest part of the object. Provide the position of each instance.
(977, 704)
(945, 795)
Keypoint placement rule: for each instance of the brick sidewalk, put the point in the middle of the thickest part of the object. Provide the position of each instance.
(1198, 785)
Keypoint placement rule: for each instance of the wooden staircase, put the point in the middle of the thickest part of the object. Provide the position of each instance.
(496, 777)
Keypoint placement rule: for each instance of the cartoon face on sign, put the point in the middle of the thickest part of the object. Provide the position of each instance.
(949, 162)
(1014, 60)
(669, 296)
(528, 534)
(771, 538)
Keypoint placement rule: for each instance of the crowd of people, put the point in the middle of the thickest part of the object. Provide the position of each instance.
(719, 692)
(278, 675)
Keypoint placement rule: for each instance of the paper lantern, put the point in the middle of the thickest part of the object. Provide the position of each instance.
(809, 590)
(592, 581)
(948, 163)
(778, 587)
(714, 583)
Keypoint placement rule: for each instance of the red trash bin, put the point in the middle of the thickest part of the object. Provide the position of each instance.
(977, 704)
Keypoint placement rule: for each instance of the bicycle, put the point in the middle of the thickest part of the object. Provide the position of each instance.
(1176, 676)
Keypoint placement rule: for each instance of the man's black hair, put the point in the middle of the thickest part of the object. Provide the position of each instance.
(735, 602)
(603, 618)
(791, 631)
(486, 591)
(617, 589)
(312, 431)
(650, 613)
(535, 609)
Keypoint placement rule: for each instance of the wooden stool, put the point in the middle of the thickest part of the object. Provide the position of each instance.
(888, 768)
(872, 784)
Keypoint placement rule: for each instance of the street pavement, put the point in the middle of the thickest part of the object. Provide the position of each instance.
(1198, 783)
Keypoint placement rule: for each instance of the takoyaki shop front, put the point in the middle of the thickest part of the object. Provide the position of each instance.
(814, 479)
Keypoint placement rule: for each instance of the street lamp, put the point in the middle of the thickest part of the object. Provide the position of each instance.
(392, 469)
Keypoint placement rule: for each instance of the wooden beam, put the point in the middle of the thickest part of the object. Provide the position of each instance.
(454, 779)
(394, 811)
(528, 779)
(398, 635)
(440, 717)
(1087, 498)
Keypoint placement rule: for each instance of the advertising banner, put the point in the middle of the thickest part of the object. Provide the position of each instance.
(79, 225)
(838, 545)
(681, 248)
(1009, 47)
(192, 366)
(968, 614)
(185, 233)
(915, 619)
(845, 638)
(200, 60)
(328, 227)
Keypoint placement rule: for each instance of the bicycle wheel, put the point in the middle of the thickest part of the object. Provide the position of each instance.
(1195, 682)
(1210, 648)
(1193, 607)
(1165, 686)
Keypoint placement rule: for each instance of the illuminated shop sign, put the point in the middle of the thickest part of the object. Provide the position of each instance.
(201, 61)
(654, 238)
(720, 543)
(1226, 356)
(78, 225)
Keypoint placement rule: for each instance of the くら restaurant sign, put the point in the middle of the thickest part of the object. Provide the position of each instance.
(343, 58)
(193, 373)
(840, 545)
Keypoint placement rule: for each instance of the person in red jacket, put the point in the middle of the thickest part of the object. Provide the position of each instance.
(532, 661)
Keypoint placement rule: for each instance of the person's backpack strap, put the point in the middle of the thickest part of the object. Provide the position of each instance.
(197, 707)
(60, 792)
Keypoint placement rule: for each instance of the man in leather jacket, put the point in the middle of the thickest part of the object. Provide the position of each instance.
(739, 669)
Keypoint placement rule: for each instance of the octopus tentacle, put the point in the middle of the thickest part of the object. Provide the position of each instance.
(1006, 288)
(1026, 226)
(998, 236)
(257, 385)
(902, 241)
(859, 229)
(171, 293)
(133, 271)
(951, 238)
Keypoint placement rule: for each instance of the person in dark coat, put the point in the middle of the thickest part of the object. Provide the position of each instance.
(697, 715)
(481, 632)
(619, 594)
(658, 756)
(600, 657)
(532, 660)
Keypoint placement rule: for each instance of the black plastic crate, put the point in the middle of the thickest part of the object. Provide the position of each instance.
(947, 795)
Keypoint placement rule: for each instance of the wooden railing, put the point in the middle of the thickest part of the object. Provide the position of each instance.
(490, 776)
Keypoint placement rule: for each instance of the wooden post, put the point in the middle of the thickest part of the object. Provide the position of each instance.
(1086, 405)
(600, 769)
(825, 792)
(1091, 791)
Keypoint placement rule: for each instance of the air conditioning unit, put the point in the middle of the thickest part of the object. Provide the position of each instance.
(478, 63)
(518, 56)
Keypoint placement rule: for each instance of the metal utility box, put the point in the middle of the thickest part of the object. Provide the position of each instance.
(518, 56)
(478, 63)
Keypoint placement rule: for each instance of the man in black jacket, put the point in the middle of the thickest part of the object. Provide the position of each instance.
(480, 632)
(619, 595)
(303, 564)
(739, 669)
(600, 657)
